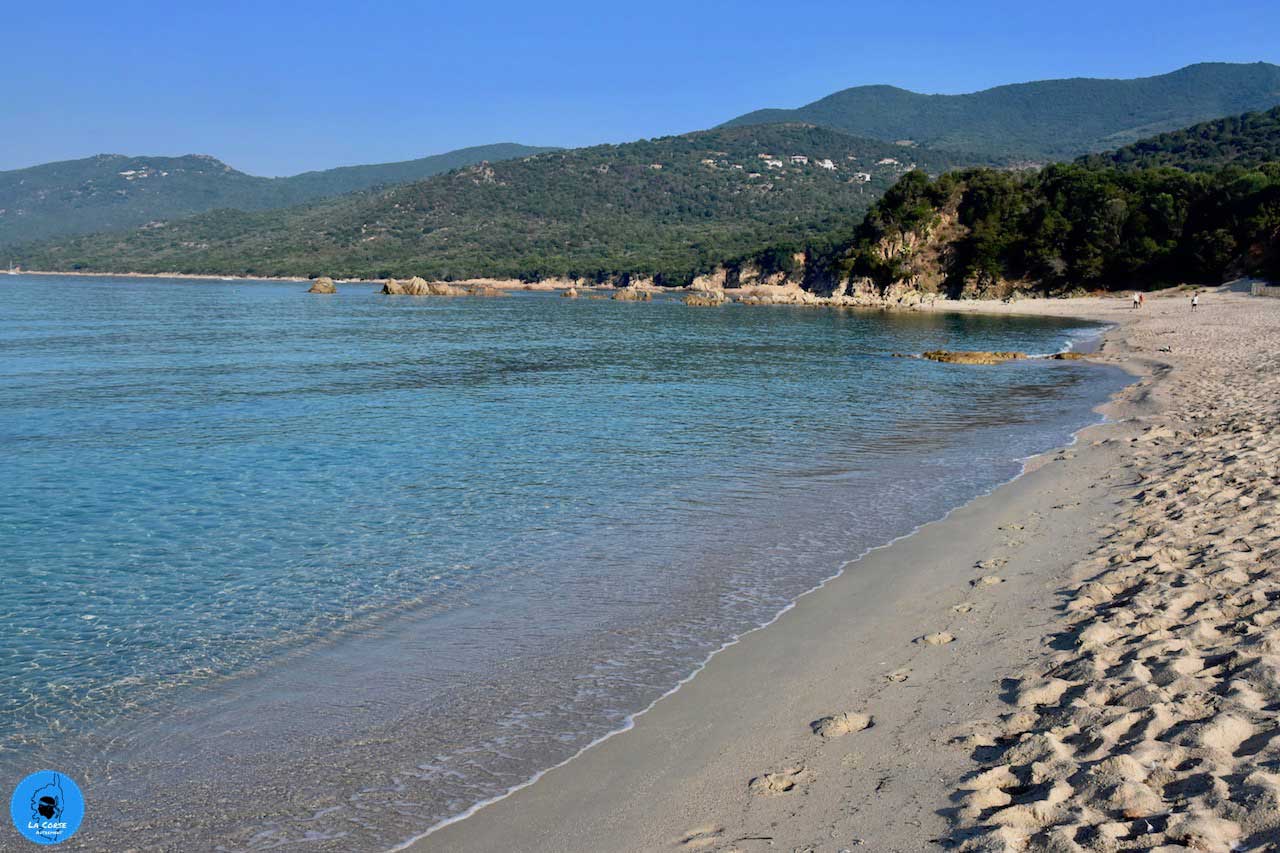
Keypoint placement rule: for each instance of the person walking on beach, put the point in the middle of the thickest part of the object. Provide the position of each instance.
(1195, 301)
(1135, 299)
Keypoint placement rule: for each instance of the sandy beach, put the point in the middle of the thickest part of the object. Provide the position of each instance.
(1084, 659)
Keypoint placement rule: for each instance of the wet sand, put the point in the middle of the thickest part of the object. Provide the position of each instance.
(1084, 659)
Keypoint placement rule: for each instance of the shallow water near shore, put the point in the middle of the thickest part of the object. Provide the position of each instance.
(331, 569)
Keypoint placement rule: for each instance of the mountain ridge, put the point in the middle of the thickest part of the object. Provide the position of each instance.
(111, 191)
(1043, 119)
(668, 207)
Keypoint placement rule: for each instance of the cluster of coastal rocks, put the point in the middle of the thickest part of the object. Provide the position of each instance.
(746, 286)
(1153, 725)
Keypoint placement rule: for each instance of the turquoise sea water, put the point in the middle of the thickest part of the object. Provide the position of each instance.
(391, 556)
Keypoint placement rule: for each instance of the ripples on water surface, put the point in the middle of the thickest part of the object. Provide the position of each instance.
(390, 556)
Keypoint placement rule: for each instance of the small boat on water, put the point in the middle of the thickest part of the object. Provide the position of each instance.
(13, 270)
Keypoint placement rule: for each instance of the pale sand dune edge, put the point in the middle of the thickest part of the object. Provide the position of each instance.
(1082, 660)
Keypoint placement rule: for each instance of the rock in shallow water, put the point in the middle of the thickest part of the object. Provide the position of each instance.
(631, 294)
(971, 356)
(417, 286)
(324, 284)
(706, 299)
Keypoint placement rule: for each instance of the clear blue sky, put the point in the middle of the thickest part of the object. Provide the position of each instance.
(281, 87)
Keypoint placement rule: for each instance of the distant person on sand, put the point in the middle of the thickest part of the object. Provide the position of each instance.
(1135, 299)
(1142, 299)
(1195, 301)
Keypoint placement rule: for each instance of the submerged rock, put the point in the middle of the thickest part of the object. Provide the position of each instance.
(1068, 356)
(971, 356)
(571, 293)
(487, 290)
(323, 284)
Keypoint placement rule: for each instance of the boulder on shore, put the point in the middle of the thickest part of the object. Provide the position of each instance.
(971, 356)
(486, 290)
(323, 284)
(1068, 356)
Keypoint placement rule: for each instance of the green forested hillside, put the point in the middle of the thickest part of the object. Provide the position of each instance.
(1246, 140)
(671, 207)
(1045, 120)
(113, 191)
(1069, 227)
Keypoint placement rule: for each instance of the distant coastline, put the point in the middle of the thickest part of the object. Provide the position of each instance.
(199, 276)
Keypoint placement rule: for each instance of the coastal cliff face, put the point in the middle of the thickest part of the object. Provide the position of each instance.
(909, 265)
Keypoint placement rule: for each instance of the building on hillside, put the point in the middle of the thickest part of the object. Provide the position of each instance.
(861, 177)
(799, 160)
(827, 164)
(886, 161)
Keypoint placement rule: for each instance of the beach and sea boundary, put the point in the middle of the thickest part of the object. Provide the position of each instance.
(1077, 659)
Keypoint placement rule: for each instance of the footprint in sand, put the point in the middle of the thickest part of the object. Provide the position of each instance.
(898, 675)
(783, 782)
(962, 607)
(941, 638)
(846, 722)
(992, 563)
(987, 580)
(702, 836)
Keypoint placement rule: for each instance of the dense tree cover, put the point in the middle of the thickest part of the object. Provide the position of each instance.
(1246, 140)
(1045, 120)
(671, 208)
(112, 191)
(1074, 226)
